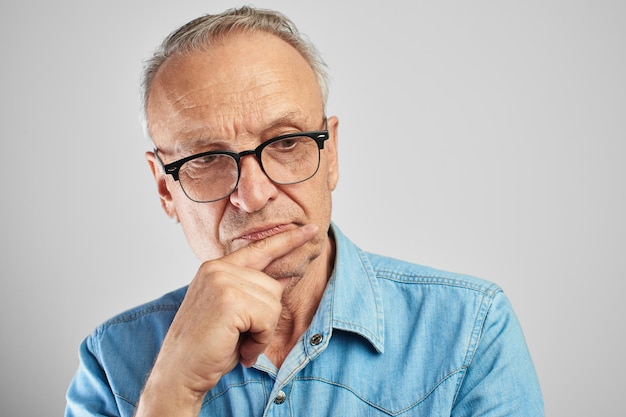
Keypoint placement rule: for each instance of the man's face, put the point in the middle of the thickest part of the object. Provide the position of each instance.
(242, 92)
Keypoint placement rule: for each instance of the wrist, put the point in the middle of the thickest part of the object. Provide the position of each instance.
(162, 396)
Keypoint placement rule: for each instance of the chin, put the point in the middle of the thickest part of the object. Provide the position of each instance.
(294, 266)
(286, 268)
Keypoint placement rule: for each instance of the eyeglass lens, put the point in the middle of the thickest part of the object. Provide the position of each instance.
(286, 161)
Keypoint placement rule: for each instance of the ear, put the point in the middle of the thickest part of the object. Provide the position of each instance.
(331, 149)
(161, 181)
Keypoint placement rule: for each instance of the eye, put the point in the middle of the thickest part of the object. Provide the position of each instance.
(211, 164)
(288, 144)
(205, 160)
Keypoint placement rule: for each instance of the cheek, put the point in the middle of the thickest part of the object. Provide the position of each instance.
(327, 184)
(315, 199)
(200, 223)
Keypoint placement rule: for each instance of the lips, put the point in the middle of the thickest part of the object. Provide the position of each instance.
(263, 232)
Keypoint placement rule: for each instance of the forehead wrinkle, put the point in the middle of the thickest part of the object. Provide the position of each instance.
(248, 112)
(235, 99)
(203, 139)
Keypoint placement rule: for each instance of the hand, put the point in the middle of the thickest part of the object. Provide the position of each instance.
(228, 316)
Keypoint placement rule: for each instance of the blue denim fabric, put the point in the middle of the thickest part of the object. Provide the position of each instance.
(389, 338)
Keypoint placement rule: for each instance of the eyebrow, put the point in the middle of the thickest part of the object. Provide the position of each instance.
(192, 144)
(201, 142)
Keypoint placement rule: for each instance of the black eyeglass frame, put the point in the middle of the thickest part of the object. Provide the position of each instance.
(173, 168)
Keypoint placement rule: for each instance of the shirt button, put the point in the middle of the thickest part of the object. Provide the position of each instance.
(280, 398)
(316, 339)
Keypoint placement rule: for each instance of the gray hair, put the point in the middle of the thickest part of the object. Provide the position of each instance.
(200, 33)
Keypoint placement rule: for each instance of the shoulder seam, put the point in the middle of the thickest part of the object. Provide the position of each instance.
(139, 313)
(485, 287)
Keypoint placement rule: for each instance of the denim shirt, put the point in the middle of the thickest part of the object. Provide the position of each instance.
(389, 338)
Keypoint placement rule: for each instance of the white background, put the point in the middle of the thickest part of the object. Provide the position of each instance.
(484, 137)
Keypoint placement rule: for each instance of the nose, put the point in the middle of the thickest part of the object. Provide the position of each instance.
(255, 189)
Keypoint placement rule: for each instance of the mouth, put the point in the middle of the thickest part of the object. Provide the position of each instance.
(263, 232)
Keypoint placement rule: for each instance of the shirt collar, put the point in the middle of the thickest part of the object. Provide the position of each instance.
(356, 301)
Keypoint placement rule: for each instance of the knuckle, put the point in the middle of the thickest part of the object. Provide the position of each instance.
(277, 290)
(212, 277)
(227, 300)
(212, 266)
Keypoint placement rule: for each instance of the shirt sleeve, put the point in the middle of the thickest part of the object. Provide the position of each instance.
(89, 393)
(501, 378)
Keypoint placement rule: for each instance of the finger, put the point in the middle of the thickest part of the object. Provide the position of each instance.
(259, 333)
(258, 255)
(251, 347)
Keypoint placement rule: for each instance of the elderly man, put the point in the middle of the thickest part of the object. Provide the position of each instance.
(285, 316)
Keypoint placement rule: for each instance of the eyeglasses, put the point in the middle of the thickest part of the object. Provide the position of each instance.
(214, 175)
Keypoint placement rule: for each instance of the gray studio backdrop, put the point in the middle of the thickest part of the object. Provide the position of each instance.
(485, 137)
